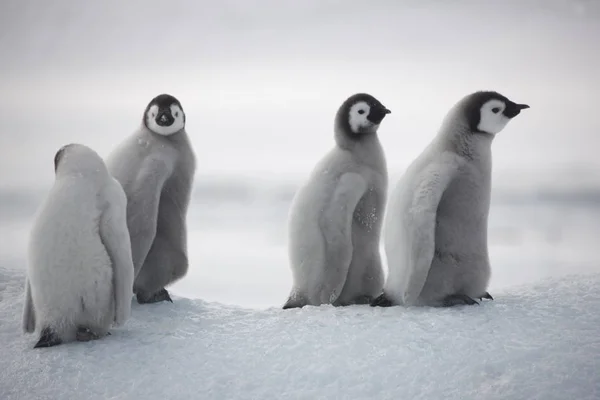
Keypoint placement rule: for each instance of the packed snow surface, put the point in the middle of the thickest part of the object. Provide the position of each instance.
(531, 342)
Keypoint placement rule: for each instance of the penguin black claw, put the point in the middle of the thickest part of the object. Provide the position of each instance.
(48, 339)
(486, 296)
(381, 301)
(457, 300)
(164, 295)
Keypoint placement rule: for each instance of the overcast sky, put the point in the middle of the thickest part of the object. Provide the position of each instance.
(260, 81)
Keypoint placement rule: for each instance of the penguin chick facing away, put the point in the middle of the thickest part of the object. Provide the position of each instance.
(80, 272)
(335, 218)
(435, 233)
(156, 167)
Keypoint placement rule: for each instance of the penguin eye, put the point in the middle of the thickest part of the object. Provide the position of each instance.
(176, 114)
(361, 111)
(495, 110)
(153, 115)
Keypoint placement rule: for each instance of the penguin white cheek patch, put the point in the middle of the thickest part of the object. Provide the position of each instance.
(179, 120)
(492, 120)
(357, 117)
(152, 112)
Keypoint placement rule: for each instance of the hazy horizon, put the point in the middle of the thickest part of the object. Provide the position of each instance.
(260, 83)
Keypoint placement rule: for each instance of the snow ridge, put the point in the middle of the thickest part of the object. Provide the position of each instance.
(532, 342)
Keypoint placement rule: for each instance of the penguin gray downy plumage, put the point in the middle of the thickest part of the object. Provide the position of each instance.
(156, 167)
(80, 270)
(335, 218)
(435, 230)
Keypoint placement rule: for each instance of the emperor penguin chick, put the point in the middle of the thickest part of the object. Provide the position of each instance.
(435, 233)
(80, 271)
(156, 167)
(335, 218)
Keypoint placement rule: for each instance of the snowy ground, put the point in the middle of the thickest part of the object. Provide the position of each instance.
(532, 342)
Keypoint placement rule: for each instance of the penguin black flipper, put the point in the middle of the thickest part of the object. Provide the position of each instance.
(381, 301)
(48, 338)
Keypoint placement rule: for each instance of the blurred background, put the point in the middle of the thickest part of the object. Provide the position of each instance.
(260, 83)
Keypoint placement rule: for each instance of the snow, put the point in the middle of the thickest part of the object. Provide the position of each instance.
(539, 341)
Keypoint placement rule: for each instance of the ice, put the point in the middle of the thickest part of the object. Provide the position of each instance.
(532, 342)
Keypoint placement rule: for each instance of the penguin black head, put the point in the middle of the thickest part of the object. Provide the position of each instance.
(77, 158)
(164, 115)
(489, 112)
(360, 115)
(59, 155)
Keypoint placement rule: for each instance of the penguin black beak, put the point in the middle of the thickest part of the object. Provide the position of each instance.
(512, 110)
(377, 114)
(164, 118)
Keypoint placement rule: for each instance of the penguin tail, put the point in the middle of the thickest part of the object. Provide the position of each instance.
(294, 301)
(48, 338)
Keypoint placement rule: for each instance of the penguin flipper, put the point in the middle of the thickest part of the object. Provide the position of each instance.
(143, 206)
(48, 338)
(336, 226)
(114, 235)
(420, 220)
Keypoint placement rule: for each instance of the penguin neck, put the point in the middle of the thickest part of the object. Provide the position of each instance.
(179, 136)
(91, 170)
(456, 136)
(366, 148)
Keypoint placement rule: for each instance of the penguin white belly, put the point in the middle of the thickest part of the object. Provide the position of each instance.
(70, 272)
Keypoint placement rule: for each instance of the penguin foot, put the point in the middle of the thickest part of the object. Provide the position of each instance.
(48, 339)
(161, 295)
(457, 300)
(359, 300)
(85, 334)
(486, 296)
(363, 300)
(381, 301)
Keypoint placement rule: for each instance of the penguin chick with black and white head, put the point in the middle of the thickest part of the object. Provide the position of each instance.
(435, 233)
(335, 218)
(80, 272)
(156, 167)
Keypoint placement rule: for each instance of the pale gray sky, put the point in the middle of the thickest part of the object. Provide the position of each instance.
(260, 81)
